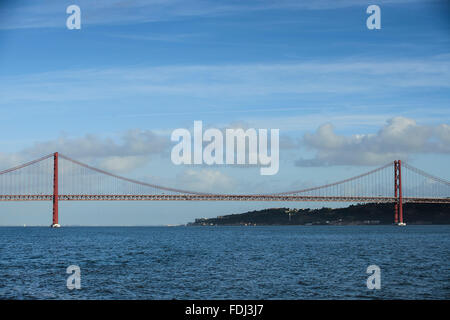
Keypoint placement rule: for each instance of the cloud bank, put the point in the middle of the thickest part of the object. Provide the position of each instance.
(399, 138)
(131, 150)
(207, 180)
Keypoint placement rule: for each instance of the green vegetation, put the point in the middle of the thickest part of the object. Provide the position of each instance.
(360, 214)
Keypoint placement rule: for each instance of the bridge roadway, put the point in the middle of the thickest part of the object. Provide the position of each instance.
(219, 197)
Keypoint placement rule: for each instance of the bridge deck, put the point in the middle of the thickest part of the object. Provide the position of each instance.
(212, 197)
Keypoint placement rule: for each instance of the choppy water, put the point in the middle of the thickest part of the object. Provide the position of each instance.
(225, 262)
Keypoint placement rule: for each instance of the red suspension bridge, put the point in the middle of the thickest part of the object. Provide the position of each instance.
(57, 177)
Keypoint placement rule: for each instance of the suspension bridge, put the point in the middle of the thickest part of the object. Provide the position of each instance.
(57, 177)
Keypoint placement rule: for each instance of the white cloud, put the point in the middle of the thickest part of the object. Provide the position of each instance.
(398, 139)
(131, 150)
(123, 163)
(131, 143)
(9, 160)
(206, 180)
(443, 137)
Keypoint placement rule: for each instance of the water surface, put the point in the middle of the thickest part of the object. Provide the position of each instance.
(285, 262)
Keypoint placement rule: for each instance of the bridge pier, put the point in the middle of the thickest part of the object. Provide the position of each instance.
(398, 207)
(55, 223)
(395, 193)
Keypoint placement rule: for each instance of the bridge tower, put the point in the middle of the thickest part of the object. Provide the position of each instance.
(398, 210)
(55, 223)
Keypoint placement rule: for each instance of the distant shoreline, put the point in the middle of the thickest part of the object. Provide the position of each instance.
(360, 214)
(237, 225)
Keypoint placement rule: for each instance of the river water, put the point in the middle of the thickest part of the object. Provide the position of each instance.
(273, 262)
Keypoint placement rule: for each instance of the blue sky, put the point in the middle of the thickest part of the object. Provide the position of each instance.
(139, 69)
